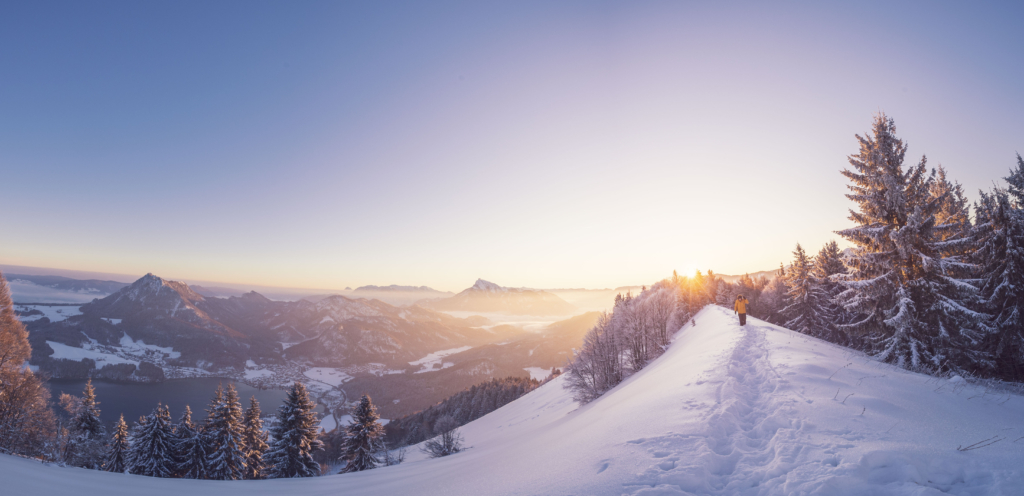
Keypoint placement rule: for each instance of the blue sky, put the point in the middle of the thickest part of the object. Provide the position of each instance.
(544, 144)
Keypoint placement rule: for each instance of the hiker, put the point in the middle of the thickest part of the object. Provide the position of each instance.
(741, 308)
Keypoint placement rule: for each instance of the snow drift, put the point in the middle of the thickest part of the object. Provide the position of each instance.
(726, 410)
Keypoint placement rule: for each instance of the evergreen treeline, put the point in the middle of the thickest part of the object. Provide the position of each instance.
(229, 445)
(925, 287)
(462, 407)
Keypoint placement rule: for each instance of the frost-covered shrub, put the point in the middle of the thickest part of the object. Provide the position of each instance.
(448, 440)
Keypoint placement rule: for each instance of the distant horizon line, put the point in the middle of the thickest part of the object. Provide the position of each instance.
(294, 290)
(128, 279)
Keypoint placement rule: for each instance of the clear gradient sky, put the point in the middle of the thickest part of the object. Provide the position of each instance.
(542, 144)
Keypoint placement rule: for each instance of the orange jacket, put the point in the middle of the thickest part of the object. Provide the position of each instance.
(741, 305)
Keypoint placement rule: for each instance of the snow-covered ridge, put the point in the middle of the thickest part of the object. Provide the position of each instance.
(727, 410)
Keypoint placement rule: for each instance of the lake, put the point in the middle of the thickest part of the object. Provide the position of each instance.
(137, 399)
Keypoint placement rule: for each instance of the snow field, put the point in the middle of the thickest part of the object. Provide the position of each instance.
(54, 313)
(429, 362)
(129, 351)
(327, 375)
(757, 410)
(257, 373)
(77, 354)
(538, 373)
(132, 347)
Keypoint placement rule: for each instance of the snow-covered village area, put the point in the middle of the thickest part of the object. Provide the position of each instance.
(457, 248)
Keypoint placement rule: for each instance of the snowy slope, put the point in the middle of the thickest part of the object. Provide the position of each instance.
(726, 410)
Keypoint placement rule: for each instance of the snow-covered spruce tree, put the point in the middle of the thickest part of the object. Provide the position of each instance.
(806, 302)
(87, 431)
(226, 453)
(254, 439)
(905, 281)
(294, 438)
(964, 327)
(999, 233)
(364, 438)
(190, 448)
(117, 450)
(152, 445)
(26, 421)
(829, 263)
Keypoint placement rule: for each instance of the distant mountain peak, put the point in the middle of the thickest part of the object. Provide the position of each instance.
(485, 296)
(149, 291)
(482, 285)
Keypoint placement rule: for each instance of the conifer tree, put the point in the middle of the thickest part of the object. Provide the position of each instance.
(805, 300)
(152, 445)
(294, 438)
(906, 277)
(226, 455)
(190, 448)
(364, 438)
(254, 440)
(87, 431)
(828, 265)
(87, 422)
(117, 452)
(999, 233)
